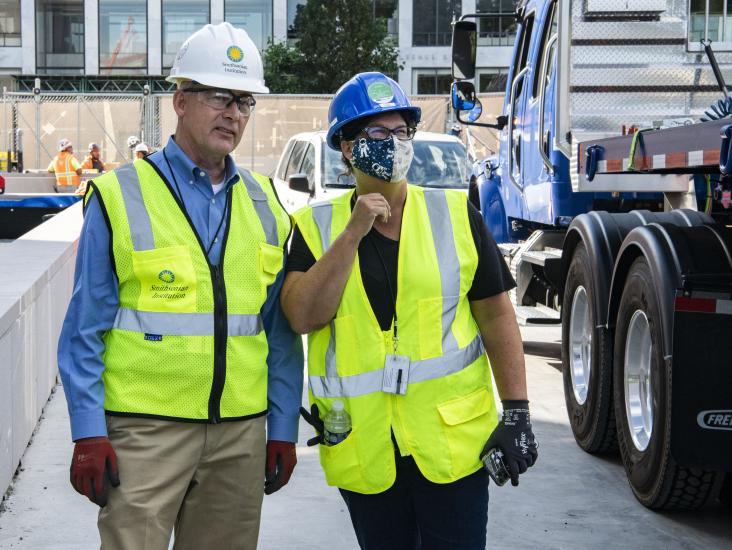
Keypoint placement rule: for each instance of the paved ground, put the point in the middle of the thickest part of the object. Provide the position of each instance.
(570, 500)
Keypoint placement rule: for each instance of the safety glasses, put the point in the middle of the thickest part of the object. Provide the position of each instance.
(379, 133)
(222, 99)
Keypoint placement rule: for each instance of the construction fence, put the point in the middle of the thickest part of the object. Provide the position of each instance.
(34, 123)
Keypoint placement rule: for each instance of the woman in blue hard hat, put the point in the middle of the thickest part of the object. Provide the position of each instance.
(402, 290)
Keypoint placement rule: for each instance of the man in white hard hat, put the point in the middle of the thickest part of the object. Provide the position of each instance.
(141, 151)
(183, 378)
(65, 165)
(93, 160)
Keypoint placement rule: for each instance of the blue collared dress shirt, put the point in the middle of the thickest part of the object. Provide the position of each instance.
(95, 301)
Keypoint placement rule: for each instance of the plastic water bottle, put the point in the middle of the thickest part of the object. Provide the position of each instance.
(493, 462)
(337, 424)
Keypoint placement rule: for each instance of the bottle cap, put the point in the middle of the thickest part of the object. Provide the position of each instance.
(337, 405)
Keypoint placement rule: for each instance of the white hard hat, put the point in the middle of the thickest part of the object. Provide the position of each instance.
(132, 141)
(141, 147)
(220, 56)
(93, 146)
(64, 144)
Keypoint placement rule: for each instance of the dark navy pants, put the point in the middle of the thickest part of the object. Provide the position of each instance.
(416, 514)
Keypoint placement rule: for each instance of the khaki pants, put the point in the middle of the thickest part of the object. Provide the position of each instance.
(204, 480)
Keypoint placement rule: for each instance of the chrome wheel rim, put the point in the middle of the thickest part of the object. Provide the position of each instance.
(638, 389)
(580, 344)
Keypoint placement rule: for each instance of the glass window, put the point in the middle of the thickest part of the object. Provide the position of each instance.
(181, 18)
(335, 173)
(434, 81)
(308, 164)
(296, 158)
(712, 20)
(438, 164)
(254, 16)
(123, 36)
(59, 36)
(432, 21)
(10, 23)
(385, 9)
(492, 80)
(499, 30)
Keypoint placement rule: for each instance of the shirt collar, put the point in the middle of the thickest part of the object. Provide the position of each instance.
(178, 158)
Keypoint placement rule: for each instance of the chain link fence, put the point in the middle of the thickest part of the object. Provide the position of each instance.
(34, 123)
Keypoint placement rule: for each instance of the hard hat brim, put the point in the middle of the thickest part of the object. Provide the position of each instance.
(237, 84)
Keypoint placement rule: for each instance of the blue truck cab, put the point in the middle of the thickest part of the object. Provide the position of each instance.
(611, 198)
(527, 186)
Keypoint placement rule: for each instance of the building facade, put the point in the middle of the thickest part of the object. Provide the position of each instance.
(120, 45)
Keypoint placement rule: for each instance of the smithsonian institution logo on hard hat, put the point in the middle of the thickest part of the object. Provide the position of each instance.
(235, 53)
(166, 276)
(380, 92)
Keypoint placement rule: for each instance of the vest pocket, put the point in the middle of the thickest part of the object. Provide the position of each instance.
(270, 263)
(167, 279)
(341, 464)
(467, 425)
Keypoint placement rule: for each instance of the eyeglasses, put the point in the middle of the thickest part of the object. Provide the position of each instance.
(380, 133)
(222, 99)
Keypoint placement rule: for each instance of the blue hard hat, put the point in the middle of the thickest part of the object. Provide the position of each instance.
(365, 95)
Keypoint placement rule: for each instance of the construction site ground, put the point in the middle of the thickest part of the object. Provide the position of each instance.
(569, 500)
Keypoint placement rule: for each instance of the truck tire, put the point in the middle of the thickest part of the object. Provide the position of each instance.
(586, 361)
(642, 388)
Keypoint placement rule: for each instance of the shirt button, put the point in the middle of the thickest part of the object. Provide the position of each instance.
(190, 181)
(213, 201)
(202, 174)
(216, 240)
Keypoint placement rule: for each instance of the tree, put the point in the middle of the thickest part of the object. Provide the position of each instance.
(337, 39)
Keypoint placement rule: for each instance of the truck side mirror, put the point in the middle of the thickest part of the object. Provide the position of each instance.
(464, 47)
(299, 182)
(463, 96)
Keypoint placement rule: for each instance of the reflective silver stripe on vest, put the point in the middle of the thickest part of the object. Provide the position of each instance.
(137, 216)
(261, 205)
(447, 260)
(419, 371)
(323, 218)
(184, 324)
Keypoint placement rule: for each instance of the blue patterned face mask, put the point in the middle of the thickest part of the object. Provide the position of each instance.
(385, 159)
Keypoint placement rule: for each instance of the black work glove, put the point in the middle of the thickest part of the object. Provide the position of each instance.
(313, 418)
(514, 437)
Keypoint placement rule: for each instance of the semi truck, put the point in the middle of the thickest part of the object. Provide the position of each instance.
(610, 196)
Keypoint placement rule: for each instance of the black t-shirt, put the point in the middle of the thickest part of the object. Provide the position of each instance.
(491, 277)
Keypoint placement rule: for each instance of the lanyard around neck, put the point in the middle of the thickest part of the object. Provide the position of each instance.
(180, 196)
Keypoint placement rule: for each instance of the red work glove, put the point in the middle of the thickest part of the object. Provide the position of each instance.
(93, 468)
(281, 460)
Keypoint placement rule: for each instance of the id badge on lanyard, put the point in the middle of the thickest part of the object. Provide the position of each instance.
(396, 372)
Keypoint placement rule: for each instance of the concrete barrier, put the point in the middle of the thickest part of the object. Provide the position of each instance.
(36, 281)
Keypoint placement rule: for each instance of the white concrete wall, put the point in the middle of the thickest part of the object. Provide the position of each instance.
(36, 280)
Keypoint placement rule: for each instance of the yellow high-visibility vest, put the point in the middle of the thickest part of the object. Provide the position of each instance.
(448, 411)
(188, 341)
(64, 166)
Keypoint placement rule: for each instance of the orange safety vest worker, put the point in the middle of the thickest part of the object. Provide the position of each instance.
(65, 166)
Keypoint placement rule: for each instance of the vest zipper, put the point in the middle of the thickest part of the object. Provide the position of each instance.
(221, 324)
(220, 334)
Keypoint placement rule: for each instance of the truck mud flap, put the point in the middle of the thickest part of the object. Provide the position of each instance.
(701, 419)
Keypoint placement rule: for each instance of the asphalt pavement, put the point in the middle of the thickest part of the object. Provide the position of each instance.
(569, 500)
